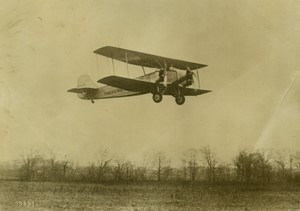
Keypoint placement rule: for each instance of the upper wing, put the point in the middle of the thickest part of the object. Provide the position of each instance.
(128, 84)
(146, 60)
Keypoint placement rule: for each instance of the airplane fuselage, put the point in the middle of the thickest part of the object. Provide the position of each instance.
(114, 92)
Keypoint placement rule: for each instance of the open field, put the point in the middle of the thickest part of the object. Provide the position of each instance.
(145, 196)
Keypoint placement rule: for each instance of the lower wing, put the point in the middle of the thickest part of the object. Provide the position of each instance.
(192, 92)
(128, 84)
(148, 87)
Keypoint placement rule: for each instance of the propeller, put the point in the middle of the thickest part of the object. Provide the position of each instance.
(190, 77)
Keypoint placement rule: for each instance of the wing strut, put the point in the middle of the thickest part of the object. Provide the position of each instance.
(108, 66)
(197, 72)
(144, 70)
(126, 63)
(113, 64)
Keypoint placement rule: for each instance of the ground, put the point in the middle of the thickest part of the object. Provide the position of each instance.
(16, 195)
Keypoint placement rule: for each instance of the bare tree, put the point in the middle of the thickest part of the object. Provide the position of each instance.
(128, 170)
(168, 172)
(296, 160)
(30, 164)
(142, 168)
(91, 172)
(262, 167)
(282, 159)
(184, 169)
(118, 169)
(104, 157)
(159, 164)
(51, 167)
(210, 161)
(65, 164)
(190, 161)
(224, 172)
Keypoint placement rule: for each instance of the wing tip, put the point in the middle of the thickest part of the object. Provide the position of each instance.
(205, 91)
(105, 79)
(201, 66)
(99, 50)
(74, 90)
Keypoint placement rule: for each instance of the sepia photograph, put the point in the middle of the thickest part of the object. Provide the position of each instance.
(150, 105)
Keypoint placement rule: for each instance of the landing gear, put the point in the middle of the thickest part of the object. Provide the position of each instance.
(157, 97)
(180, 99)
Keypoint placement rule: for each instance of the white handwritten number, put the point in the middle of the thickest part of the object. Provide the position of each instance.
(28, 203)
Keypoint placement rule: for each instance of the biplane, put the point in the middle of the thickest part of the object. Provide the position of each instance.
(169, 77)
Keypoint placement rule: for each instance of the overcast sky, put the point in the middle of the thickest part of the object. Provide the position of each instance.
(251, 49)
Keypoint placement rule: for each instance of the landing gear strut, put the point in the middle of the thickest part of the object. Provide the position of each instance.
(157, 97)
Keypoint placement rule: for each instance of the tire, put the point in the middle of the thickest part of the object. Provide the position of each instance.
(157, 97)
(180, 100)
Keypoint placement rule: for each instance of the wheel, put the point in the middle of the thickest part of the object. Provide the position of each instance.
(157, 97)
(180, 100)
(92, 101)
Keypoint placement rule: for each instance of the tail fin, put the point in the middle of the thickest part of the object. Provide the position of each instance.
(85, 81)
(86, 89)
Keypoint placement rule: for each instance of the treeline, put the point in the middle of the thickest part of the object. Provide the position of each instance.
(248, 166)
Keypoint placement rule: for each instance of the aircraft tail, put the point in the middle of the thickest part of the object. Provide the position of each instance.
(86, 89)
(85, 81)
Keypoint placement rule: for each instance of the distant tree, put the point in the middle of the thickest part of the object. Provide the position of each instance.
(295, 166)
(159, 162)
(129, 171)
(190, 162)
(261, 165)
(118, 169)
(282, 160)
(91, 172)
(142, 168)
(243, 162)
(184, 169)
(253, 166)
(104, 157)
(65, 164)
(168, 172)
(10, 169)
(29, 168)
(210, 161)
(51, 167)
(223, 171)
(296, 160)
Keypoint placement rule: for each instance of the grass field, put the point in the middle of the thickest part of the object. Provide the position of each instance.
(144, 196)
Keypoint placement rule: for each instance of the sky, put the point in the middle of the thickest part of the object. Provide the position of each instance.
(251, 48)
